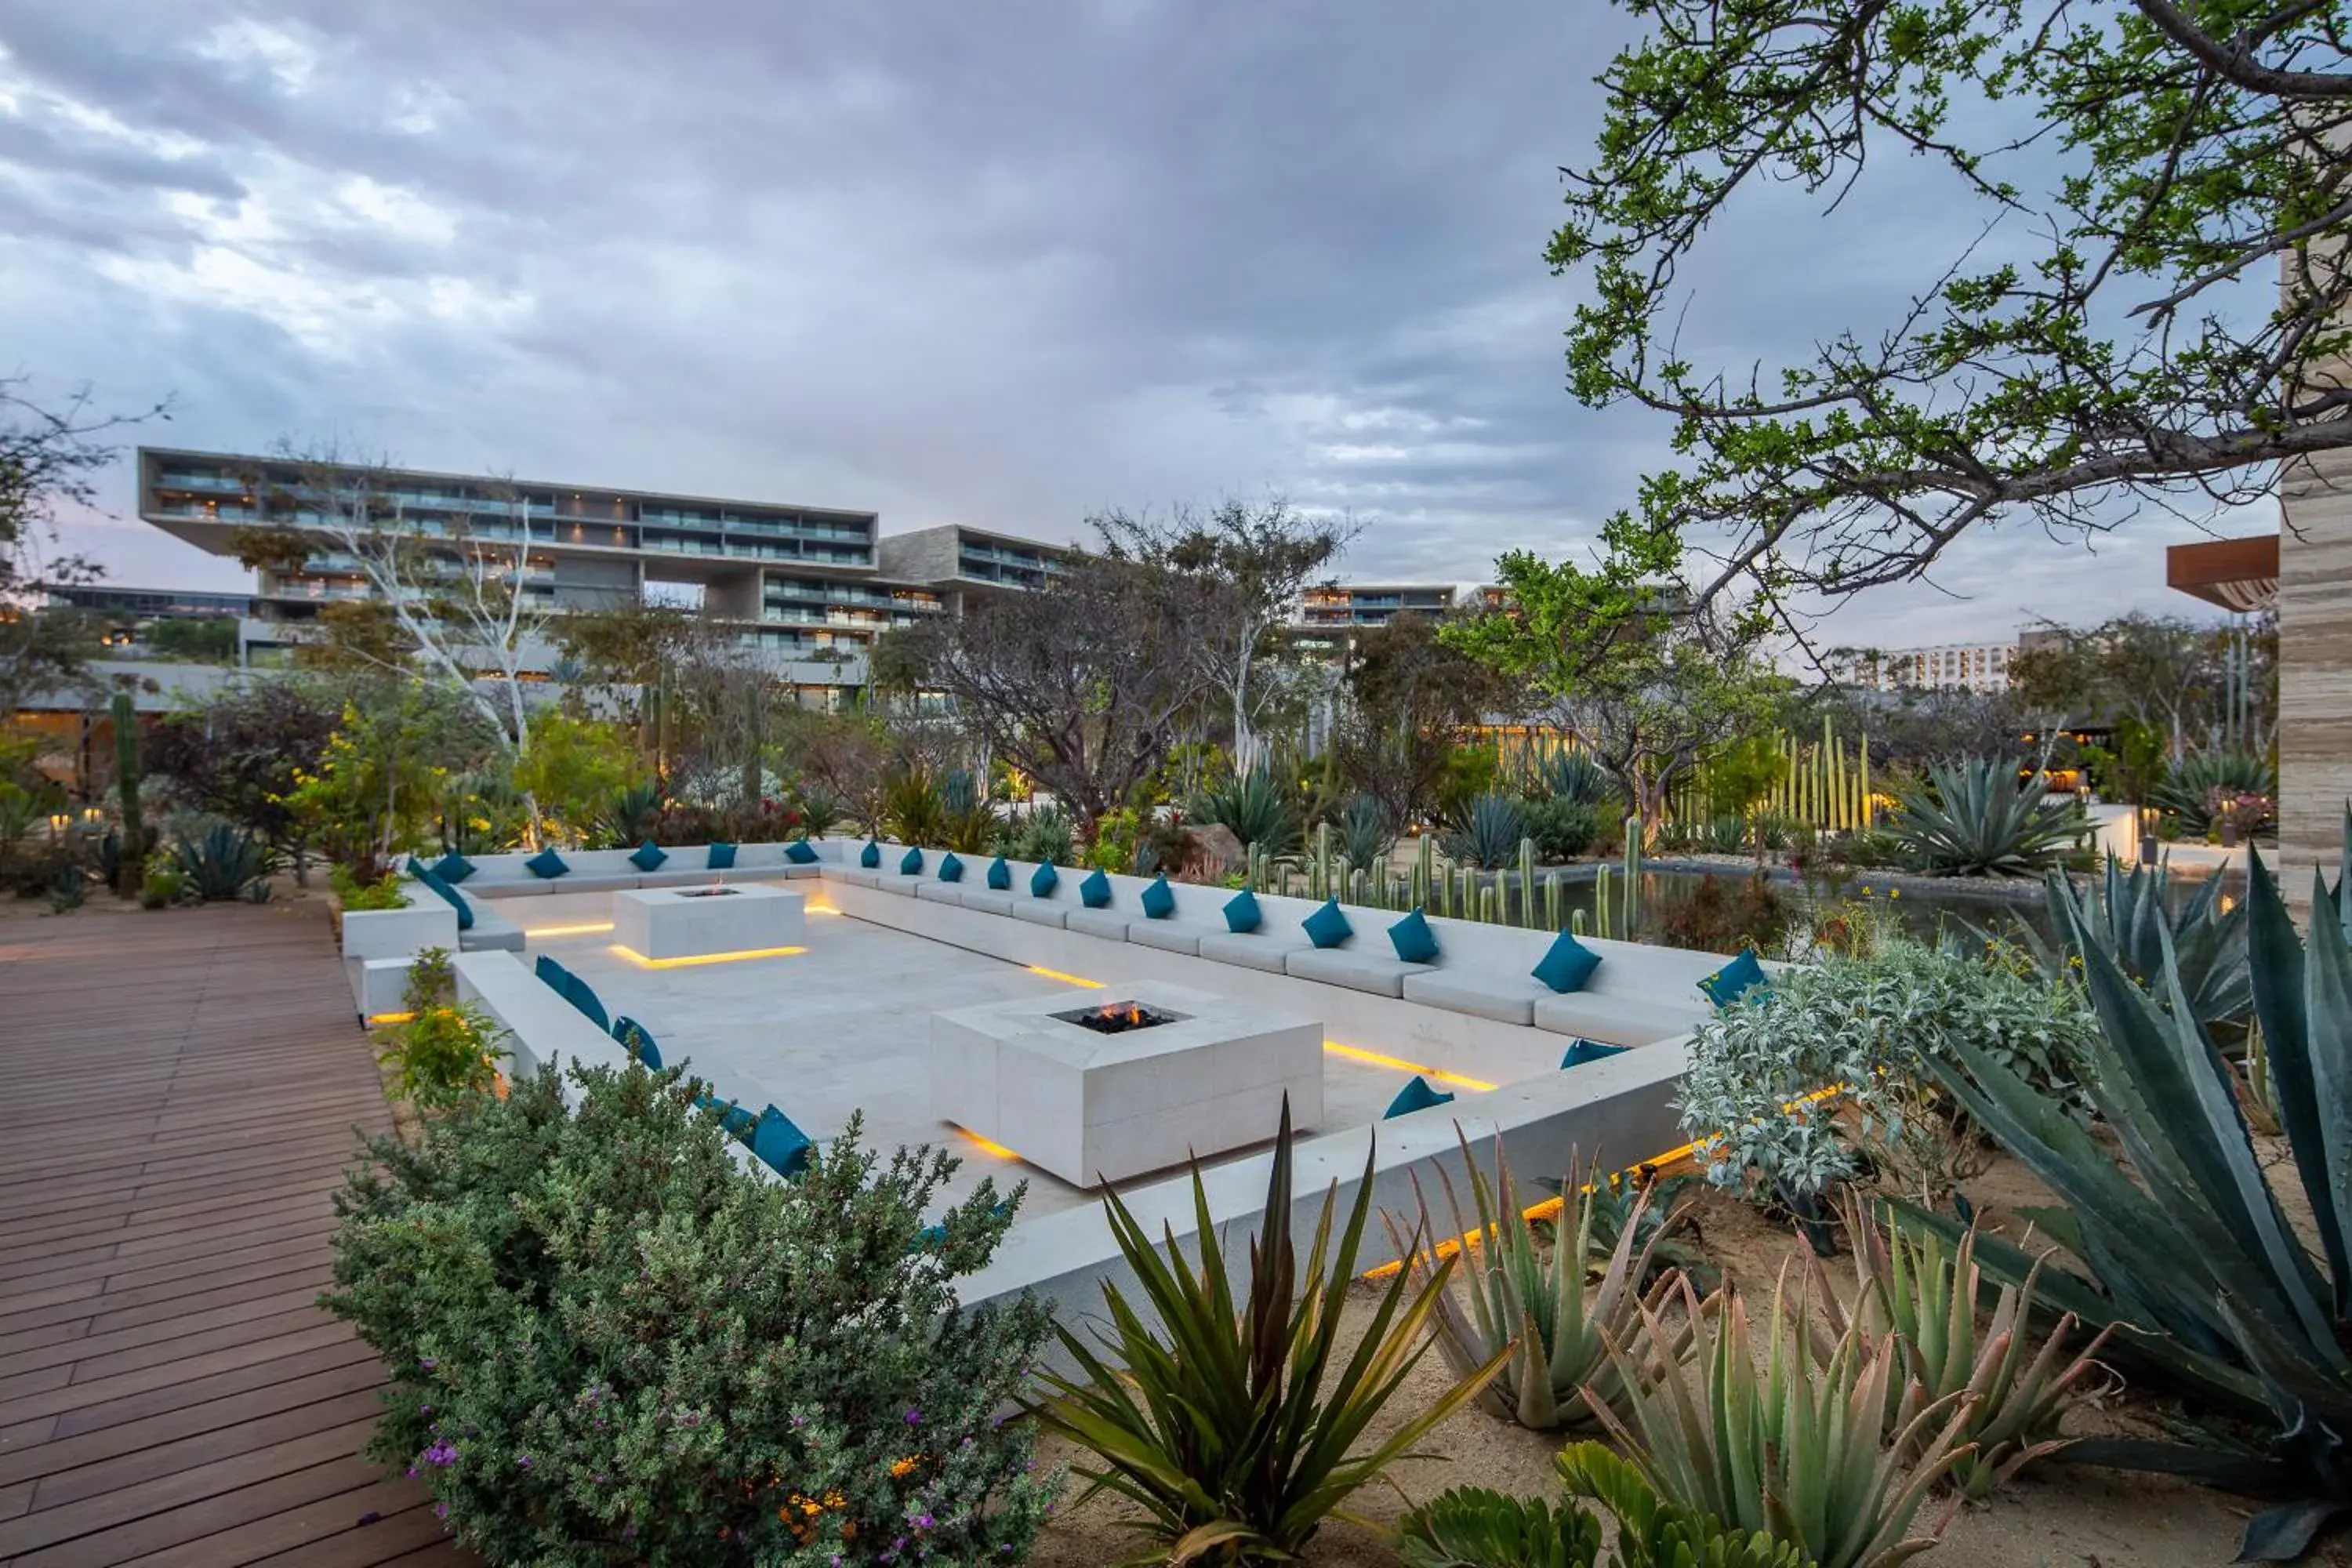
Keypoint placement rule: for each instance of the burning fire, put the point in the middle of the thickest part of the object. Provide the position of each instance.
(1130, 1013)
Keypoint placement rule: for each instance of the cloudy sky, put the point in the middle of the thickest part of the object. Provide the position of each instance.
(1001, 264)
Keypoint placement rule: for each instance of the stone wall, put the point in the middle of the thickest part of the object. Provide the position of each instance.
(2314, 667)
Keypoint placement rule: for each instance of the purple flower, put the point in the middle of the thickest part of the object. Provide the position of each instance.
(440, 1511)
(442, 1452)
(923, 1521)
(427, 1362)
(914, 1417)
(523, 1459)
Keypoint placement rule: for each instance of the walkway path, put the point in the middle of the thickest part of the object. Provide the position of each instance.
(177, 1094)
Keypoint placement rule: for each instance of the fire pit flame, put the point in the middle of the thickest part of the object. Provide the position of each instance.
(1117, 1017)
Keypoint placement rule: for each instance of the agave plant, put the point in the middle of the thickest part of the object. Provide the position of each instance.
(622, 819)
(1975, 819)
(2128, 917)
(1802, 1447)
(2190, 783)
(2192, 1255)
(1485, 832)
(1475, 1527)
(222, 861)
(1551, 1319)
(1243, 1428)
(1365, 833)
(1574, 775)
(1922, 1290)
(820, 807)
(1250, 807)
(967, 821)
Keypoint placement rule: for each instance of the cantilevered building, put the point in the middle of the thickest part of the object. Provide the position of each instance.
(809, 586)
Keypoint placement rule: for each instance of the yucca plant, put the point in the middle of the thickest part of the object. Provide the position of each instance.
(1475, 1527)
(1252, 808)
(1923, 1291)
(1975, 819)
(1550, 1313)
(2192, 1254)
(1485, 832)
(625, 818)
(1800, 1448)
(1237, 1427)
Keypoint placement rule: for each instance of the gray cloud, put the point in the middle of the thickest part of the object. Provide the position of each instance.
(1003, 264)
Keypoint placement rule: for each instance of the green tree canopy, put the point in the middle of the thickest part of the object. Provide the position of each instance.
(2146, 173)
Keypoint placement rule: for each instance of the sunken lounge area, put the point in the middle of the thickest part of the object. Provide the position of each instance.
(1070, 1030)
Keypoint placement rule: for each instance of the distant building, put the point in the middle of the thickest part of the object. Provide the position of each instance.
(149, 603)
(1335, 606)
(1946, 666)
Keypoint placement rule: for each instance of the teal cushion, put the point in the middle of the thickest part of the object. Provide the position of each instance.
(1094, 891)
(911, 864)
(633, 1039)
(1414, 1096)
(1736, 979)
(1242, 914)
(721, 858)
(427, 876)
(1584, 1050)
(999, 874)
(648, 856)
(801, 852)
(781, 1146)
(1043, 879)
(550, 971)
(546, 863)
(453, 868)
(1159, 900)
(1327, 927)
(950, 869)
(583, 995)
(871, 856)
(737, 1120)
(1414, 941)
(1568, 966)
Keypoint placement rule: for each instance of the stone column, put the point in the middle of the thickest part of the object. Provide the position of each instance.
(2314, 608)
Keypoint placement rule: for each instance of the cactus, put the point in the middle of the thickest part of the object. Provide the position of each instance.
(1527, 882)
(1489, 898)
(1319, 885)
(1576, 923)
(133, 868)
(1867, 812)
(1421, 868)
(1600, 899)
(1632, 924)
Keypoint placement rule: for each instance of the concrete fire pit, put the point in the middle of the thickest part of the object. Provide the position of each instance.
(696, 923)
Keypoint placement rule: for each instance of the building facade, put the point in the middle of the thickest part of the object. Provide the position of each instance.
(1339, 606)
(809, 588)
(1946, 667)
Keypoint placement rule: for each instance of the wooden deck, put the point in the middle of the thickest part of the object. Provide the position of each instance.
(177, 1094)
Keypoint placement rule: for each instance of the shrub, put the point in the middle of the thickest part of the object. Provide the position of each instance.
(1045, 833)
(1976, 819)
(1485, 832)
(1236, 1434)
(611, 1346)
(1870, 1027)
(162, 887)
(1363, 834)
(1713, 916)
(66, 893)
(1567, 775)
(1562, 828)
(912, 811)
(445, 1052)
(383, 893)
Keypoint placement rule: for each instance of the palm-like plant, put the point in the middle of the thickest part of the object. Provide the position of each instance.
(1551, 1318)
(1486, 832)
(1252, 808)
(1921, 1290)
(1975, 819)
(1802, 1449)
(1235, 1429)
(2192, 1254)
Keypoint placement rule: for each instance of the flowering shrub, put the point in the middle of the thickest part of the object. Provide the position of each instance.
(613, 1346)
(1866, 1027)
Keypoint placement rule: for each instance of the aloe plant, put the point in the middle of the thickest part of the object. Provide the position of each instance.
(1551, 1318)
(1975, 819)
(1921, 1290)
(2190, 1253)
(1799, 1446)
(1485, 832)
(1237, 1427)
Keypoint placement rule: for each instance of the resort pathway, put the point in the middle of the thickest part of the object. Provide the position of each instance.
(177, 1094)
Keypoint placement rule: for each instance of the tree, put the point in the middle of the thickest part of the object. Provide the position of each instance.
(1644, 678)
(383, 775)
(2171, 675)
(1080, 684)
(2115, 335)
(240, 754)
(1412, 697)
(49, 458)
(1253, 562)
(208, 639)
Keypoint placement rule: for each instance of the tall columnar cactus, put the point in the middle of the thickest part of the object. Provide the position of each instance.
(1321, 886)
(1601, 894)
(1552, 900)
(1632, 924)
(133, 868)
(1867, 812)
(1421, 869)
(1527, 882)
(1576, 923)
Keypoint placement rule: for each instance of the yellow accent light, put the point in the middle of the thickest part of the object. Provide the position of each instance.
(639, 959)
(1357, 1053)
(988, 1145)
(587, 930)
(1065, 979)
(375, 1018)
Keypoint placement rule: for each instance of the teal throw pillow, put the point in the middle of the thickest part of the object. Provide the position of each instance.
(722, 858)
(950, 869)
(801, 852)
(453, 868)
(633, 1039)
(1413, 941)
(1736, 979)
(648, 856)
(1242, 914)
(1584, 1050)
(584, 996)
(1043, 879)
(1327, 927)
(999, 874)
(546, 863)
(1159, 900)
(781, 1146)
(1094, 891)
(871, 856)
(911, 864)
(549, 972)
(1414, 1096)
(737, 1120)
(1568, 966)
(428, 877)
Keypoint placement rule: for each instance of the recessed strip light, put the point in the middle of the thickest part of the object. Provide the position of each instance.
(1357, 1053)
(988, 1145)
(1065, 979)
(567, 931)
(701, 958)
(375, 1018)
